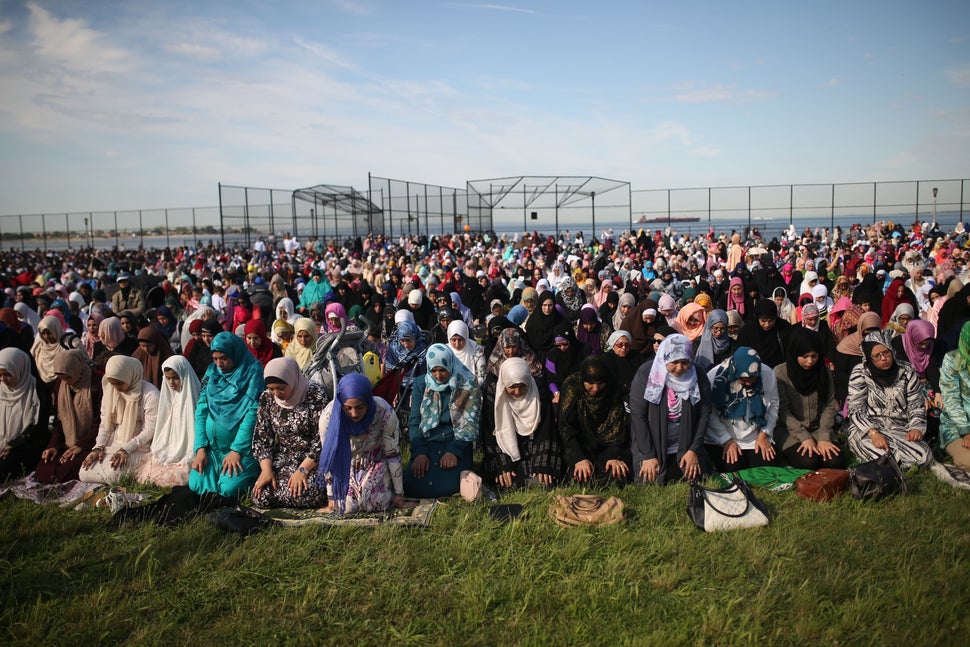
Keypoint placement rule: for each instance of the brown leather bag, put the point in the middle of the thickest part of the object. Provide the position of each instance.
(822, 485)
(586, 510)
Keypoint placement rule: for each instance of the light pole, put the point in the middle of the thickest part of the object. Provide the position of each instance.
(86, 235)
(935, 191)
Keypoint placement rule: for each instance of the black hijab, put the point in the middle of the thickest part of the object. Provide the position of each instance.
(884, 378)
(801, 341)
(540, 326)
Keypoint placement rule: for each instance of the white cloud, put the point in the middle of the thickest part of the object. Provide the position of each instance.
(673, 130)
(194, 50)
(73, 45)
(959, 75)
(705, 151)
(490, 7)
(705, 94)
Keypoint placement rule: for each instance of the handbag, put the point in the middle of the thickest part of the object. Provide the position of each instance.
(822, 485)
(586, 510)
(734, 506)
(242, 520)
(877, 479)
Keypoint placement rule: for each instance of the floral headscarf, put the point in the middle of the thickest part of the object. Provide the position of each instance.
(466, 398)
(731, 398)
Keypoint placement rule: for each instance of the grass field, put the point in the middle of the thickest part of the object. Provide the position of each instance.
(889, 573)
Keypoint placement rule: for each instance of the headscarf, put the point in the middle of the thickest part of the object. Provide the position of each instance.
(802, 341)
(573, 303)
(963, 346)
(44, 353)
(231, 395)
(539, 327)
(709, 346)
(298, 351)
(335, 456)
(120, 412)
(890, 300)
(626, 299)
(667, 302)
(599, 298)
(601, 417)
(466, 398)
(852, 344)
(152, 362)
(467, 354)
(264, 353)
(175, 430)
(512, 338)
(518, 315)
(529, 295)
(736, 303)
(28, 315)
(111, 333)
(811, 310)
(683, 320)
(704, 300)
(287, 371)
(917, 331)
(287, 304)
(9, 317)
(591, 338)
(822, 292)
(674, 348)
(515, 417)
(616, 336)
(901, 309)
(397, 355)
(75, 408)
(732, 399)
(883, 377)
(336, 309)
(20, 405)
(168, 329)
(91, 339)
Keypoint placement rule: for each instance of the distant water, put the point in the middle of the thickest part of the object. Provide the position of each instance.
(768, 227)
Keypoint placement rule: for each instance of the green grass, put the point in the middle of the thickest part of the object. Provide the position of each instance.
(895, 572)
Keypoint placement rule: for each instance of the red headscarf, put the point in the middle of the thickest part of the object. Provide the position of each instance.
(890, 300)
(265, 351)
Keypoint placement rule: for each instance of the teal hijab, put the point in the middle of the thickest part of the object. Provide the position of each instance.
(231, 395)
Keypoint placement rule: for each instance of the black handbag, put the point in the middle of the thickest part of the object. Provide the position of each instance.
(734, 506)
(877, 479)
(242, 520)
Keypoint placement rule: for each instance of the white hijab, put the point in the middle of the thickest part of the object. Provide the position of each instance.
(515, 417)
(175, 433)
(120, 412)
(467, 354)
(19, 406)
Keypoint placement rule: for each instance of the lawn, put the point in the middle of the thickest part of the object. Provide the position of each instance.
(894, 572)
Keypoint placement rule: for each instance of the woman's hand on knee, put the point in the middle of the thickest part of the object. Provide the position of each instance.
(419, 466)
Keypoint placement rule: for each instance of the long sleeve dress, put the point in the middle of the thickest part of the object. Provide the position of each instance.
(376, 473)
(287, 437)
(892, 410)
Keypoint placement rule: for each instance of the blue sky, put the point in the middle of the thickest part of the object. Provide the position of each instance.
(117, 105)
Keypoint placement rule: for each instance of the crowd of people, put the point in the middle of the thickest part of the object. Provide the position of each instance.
(643, 357)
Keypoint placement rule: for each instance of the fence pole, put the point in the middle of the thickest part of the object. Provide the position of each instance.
(222, 225)
(43, 223)
(67, 226)
(22, 248)
(117, 243)
(917, 200)
(141, 230)
(167, 242)
(874, 200)
(833, 207)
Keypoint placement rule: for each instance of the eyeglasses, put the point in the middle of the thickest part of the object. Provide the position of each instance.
(657, 341)
(886, 354)
(621, 346)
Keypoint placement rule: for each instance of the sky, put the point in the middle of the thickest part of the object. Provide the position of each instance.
(136, 104)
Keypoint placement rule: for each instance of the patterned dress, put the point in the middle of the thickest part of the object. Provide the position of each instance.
(375, 466)
(893, 410)
(287, 437)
